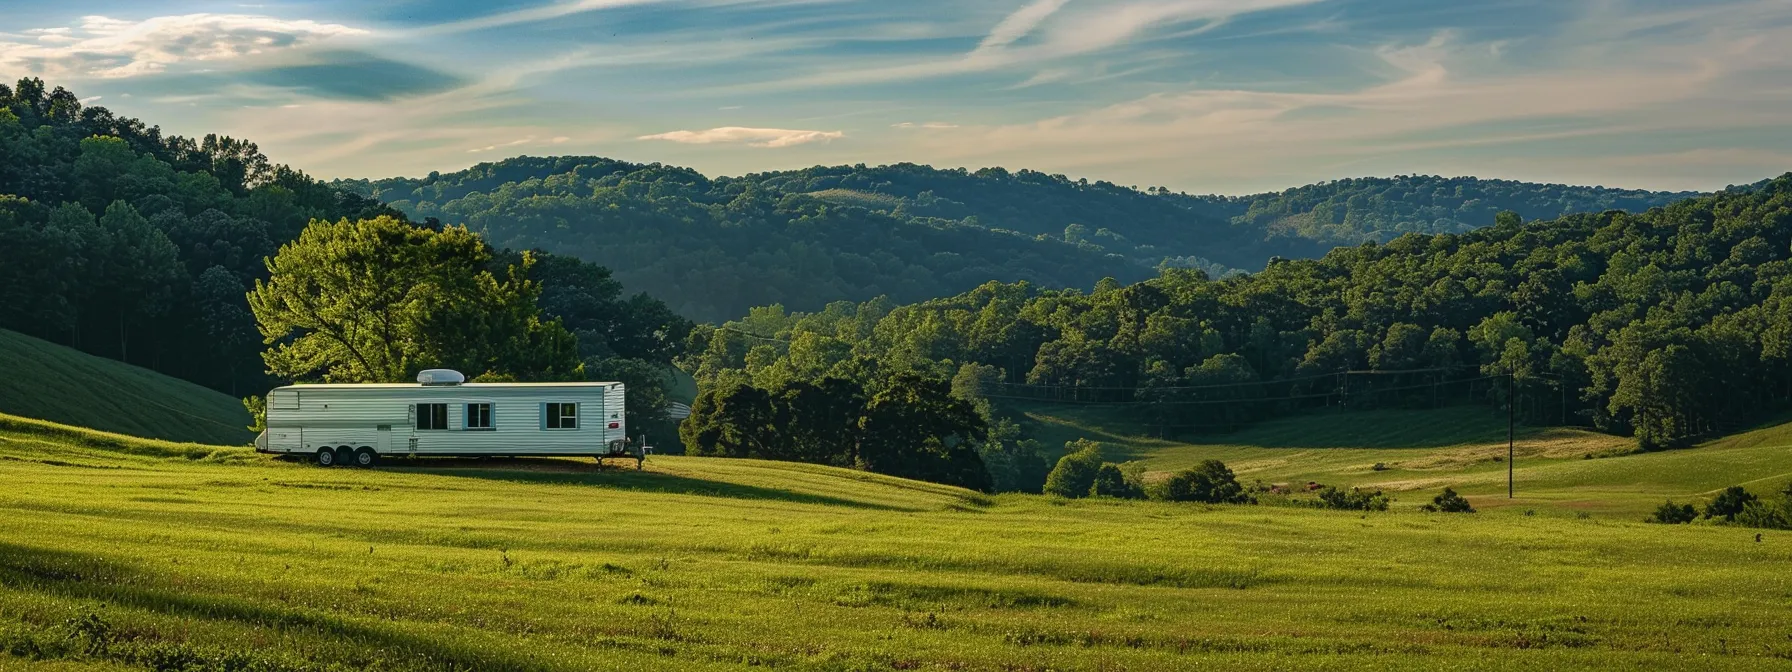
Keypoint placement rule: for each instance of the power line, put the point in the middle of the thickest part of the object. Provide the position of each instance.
(1200, 402)
(1277, 381)
(749, 334)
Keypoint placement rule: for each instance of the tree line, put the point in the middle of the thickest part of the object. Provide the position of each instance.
(1665, 325)
(908, 425)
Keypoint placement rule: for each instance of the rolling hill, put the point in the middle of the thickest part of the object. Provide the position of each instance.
(703, 563)
(715, 247)
(52, 382)
(1414, 453)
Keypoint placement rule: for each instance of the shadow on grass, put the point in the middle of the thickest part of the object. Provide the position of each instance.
(566, 472)
(78, 576)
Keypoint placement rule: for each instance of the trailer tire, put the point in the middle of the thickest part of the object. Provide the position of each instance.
(345, 456)
(365, 458)
(326, 457)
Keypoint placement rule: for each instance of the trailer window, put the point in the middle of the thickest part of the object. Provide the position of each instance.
(432, 416)
(561, 415)
(479, 416)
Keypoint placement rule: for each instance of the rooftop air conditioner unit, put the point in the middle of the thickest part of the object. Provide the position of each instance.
(440, 377)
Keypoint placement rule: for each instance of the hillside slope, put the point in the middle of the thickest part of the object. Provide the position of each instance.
(1350, 211)
(117, 550)
(714, 247)
(711, 249)
(1415, 453)
(52, 382)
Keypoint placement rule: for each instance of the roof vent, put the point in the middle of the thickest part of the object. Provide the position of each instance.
(440, 377)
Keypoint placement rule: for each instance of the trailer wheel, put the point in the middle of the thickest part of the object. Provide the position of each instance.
(345, 455)
(326, 457)
(366, 457)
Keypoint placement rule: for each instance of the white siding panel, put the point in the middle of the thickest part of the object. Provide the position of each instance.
(350, 415)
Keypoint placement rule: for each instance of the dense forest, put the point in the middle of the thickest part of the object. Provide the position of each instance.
(713, 248)
(1665, 324)
(137, 246)
(133, 245)
(1351, 211)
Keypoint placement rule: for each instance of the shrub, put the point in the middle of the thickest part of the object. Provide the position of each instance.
(1210, 482)
(1110, 481)
(1761, 515)
(1449, 502)
(1729, 503)
(1074, 476)
(1670, 513)
(1354, 499)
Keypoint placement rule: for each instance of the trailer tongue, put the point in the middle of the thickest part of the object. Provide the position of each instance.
(622, 449)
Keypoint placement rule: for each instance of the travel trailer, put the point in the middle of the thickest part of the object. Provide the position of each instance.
(443, 415)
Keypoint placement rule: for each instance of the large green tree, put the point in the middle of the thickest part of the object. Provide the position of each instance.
(915, 428)
(377, 300)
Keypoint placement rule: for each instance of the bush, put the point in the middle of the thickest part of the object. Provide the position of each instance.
(1354, 499)
(1110, 481)
(1670, 513)
(1210, 482)
(1729, 503)
(1074, 476)
(1766, 516)
(1449, 502)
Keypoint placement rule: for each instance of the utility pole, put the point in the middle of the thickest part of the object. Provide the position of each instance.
(1511, 441)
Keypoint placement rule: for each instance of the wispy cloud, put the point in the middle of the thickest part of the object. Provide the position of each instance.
(546, 12)
(1207, 95)
(513, 143)
(1020, 23)
(1091, 28)
(113, 48)
(753, 137)
(1453, 108)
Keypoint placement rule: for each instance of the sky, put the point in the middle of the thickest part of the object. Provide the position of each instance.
(1202, 96)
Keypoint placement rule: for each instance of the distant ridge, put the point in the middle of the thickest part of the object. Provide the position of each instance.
(712, 248)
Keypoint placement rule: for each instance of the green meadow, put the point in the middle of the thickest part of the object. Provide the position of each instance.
(125, 553)
(1413, 454)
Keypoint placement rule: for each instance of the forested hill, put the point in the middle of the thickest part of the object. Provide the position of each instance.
(1666, 324)
(712, 248)
(133, 245)
(1350, 211)
(138, 246)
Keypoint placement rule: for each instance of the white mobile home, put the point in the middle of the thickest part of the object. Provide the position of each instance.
(359, 424)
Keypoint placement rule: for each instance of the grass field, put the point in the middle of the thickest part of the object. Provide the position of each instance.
(1421, 452)
(39, 379)
(119, 553)
(864, 199)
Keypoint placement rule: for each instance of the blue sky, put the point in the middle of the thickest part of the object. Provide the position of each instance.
(1204, 96)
